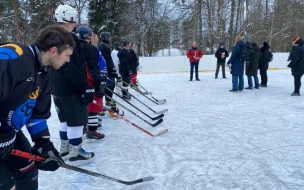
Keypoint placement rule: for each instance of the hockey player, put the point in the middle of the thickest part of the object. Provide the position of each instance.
(25, 99)
(134, 64)
(72, 94)
(94, 79)
(112, 72)
(115, 59)
(103, 71)
(125, 67)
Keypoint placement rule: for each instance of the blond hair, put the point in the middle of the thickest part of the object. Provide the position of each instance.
(237, 39)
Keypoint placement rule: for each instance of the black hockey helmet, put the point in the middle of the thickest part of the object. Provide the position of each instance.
(84, 32)
(105, 37)
(125, 42)
(116, 45)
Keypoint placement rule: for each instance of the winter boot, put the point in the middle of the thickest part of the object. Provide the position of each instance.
(64, 149)
(79, 156)
(295, 94)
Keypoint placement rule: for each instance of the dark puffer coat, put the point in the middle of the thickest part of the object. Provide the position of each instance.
(264, 56)
(252, 70)
(297, 58)
(237, 66)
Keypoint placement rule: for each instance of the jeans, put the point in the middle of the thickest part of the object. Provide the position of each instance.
(237, 82)
(297, 83)
(264, 77)
(192, 65)
(218, 67)
(256, 81)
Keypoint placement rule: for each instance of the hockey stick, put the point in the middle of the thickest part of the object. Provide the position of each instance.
(40, 159)
(164, 100)
(153, 118)
(152, 124)
(137, 90)
(125, 119)
(156, 112)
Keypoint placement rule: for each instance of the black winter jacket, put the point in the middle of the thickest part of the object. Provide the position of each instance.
(264, 56)
(134, 61)
(71, 77)
(106, 54)
(218, 55)
(252, 69)
(297, 59)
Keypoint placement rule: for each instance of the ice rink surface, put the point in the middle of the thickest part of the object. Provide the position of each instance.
(217, 140)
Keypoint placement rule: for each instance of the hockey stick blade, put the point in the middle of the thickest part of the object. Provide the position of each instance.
(81, 170)
(161, 112)
(161, 102)
(161, 133)
(147, 93)
(157, 123)
(158, 117)
(145, 179)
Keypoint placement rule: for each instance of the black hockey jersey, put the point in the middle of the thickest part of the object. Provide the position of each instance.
(91, 59)
(71, 77)
(25, 93)
(125, 60)
(134, 61)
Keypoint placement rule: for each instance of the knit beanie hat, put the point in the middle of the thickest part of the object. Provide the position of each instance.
(222, 44)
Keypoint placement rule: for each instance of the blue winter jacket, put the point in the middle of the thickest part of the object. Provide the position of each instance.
(237, 66)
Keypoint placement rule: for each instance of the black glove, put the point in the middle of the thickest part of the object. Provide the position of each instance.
(118, 79)
(88, 95)
(47, 150)
(7, 140)
(113, 73)
(100, 86)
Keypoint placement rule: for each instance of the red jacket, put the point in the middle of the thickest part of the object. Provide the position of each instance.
(194, 53)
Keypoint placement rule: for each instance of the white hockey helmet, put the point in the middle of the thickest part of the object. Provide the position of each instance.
(64, 13)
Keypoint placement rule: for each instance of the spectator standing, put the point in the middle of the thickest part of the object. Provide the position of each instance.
(264, 58)
(252, 66)
(236, 65)
(221, 55)
(194, 54)
(297, 64)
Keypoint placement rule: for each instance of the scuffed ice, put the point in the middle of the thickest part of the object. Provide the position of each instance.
(217, 140)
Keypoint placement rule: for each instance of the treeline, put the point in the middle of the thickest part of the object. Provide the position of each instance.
(158, 24)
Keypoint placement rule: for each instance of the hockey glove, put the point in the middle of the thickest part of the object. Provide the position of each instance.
(88, 95)
(133, 78)
(113, 73)
(7, 140)
(46, 149)
(100, 86)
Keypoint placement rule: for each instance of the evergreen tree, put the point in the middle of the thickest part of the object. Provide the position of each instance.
(105, 16)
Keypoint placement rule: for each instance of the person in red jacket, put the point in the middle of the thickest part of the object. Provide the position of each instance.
(194, 54)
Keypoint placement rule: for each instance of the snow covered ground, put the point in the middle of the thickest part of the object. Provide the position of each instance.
(217, 140)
